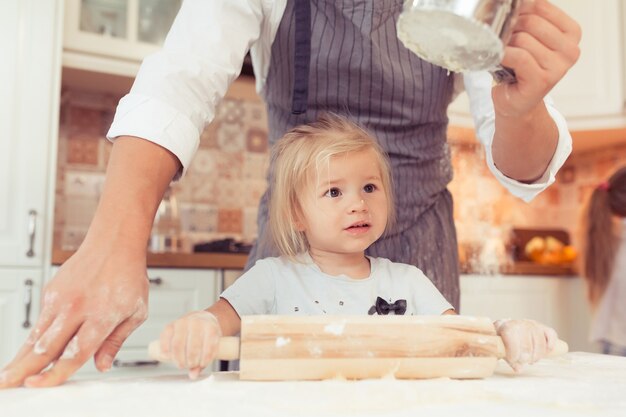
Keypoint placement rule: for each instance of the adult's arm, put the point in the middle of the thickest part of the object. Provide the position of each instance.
(526, 139)
(99, 296)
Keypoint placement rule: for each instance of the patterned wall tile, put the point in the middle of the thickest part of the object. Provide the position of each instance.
(250, 229)
(85, 120)
(83, 149)
(200, 190)
(208, 138)
(230, 220)
(256, 140)
(255, 166)
(198, 218)
(231, 137)
(231, 111)
(203, 163)
(229, 165)
(79, 211)
(253, 192)
(231, 194)
(83, 184)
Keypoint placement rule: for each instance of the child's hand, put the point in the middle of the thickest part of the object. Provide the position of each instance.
(525, 341)
(192, 341)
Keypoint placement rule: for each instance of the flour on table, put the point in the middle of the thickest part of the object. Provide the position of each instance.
(577, 384)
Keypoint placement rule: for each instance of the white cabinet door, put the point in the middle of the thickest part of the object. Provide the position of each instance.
(594, 86)
(538, 298)
(558, 302)
(116, 35)
(592, 93)
(30, 72)
(19, 307)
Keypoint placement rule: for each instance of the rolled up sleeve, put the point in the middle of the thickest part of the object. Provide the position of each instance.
(178, 88)
(478, 87)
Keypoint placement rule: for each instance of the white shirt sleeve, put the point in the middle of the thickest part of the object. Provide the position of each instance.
(478, 87)
(255, 291)
(178, 88)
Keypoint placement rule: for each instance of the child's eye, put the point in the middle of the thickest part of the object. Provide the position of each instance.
(369, 188)
(333, 192)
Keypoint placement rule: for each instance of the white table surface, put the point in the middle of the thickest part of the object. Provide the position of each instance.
(577, 384)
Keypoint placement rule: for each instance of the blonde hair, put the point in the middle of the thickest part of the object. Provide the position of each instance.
(600, 235)
(294, 157)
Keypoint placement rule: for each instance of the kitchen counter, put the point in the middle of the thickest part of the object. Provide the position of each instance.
(238, 261)
(577, 384)
(178, 260)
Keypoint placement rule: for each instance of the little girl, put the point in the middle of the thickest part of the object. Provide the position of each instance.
(332, 200)
(604, 262)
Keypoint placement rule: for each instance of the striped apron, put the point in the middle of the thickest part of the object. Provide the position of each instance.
(347, 59)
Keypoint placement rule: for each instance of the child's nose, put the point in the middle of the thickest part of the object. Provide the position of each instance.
(359, 204)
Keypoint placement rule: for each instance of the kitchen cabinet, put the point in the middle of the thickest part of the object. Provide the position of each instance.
(558, 302)
(113, 36)
(30, 49)
(19, 307)
(592, 94)
(30, 74)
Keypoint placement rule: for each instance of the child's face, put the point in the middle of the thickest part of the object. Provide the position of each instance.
(345, 210)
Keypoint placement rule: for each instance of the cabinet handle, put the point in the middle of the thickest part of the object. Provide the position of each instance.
(28, 301)
(32, 225)
(132, 364)
(156, 281)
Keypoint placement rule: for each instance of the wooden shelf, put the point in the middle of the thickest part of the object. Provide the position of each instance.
(178, 260)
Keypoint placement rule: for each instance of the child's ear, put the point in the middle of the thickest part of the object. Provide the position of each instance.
(299, 225)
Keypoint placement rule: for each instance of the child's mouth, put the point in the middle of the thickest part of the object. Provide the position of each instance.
(358, 227)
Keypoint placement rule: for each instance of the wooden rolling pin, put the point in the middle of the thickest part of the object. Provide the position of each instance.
(357, 347)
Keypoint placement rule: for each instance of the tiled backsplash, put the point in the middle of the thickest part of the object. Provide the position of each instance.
(219, 195)
(217, 198)
(482, 204)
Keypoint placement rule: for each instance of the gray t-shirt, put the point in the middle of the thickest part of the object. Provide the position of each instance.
(281, 286)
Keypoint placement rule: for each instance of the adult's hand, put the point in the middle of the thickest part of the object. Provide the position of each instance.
(100, 295)
(89, 308)
(542, 48)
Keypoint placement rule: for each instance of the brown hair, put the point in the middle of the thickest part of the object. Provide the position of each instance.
(294, 157)
(599, 233)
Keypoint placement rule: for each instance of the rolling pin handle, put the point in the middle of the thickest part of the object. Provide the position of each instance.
(227, 350)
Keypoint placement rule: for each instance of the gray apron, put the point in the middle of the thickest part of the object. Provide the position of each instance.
(347, 59)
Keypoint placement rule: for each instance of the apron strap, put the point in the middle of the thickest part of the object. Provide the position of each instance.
(302, 57)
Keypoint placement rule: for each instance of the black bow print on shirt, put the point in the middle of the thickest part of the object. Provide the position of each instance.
(383, 308)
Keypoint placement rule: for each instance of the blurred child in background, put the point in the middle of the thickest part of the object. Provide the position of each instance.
(603, 238)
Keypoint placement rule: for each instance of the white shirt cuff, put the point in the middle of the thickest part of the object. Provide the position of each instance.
(564, 147)
(155, 121)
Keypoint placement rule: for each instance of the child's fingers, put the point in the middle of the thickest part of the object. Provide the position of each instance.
(179, 344)
(211, 342)
(539, 347)
(195, 345)
(165, 340)
(551, 338)
(194, 373)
